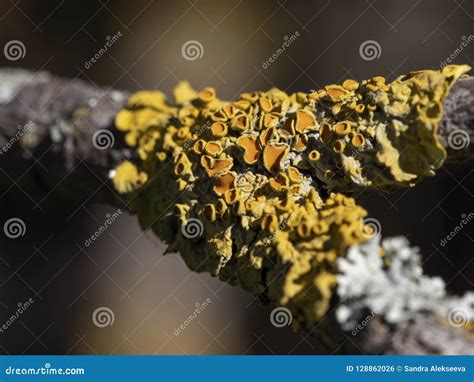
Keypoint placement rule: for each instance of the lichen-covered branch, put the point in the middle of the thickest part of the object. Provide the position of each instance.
(368, 134)
(254, 177)
(382, 286)
(246, 189)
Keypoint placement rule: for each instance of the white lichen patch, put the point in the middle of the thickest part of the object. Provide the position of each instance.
(392, 285)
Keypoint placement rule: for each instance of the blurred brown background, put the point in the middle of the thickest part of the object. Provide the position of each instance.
(124, 270)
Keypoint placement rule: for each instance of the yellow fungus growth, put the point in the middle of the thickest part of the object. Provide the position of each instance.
(336, 92)
(338, 146)
(224, 183)
(240, 123)
(209, 212)
(342, 128)
(213, 148)
(183, 92)
(250, 147)
(219, 166)
(294, 175)
(207, 95)
(304, 120)
(269, 120)
(278, 183)
(300, 143)
(219, 129)
(326, 132)
(350, 85)
(161, 156)
(358, 140)
(127, 178)
(198, 146)
(314, 155)
(273, 155)
(265, 104)
(260, 174)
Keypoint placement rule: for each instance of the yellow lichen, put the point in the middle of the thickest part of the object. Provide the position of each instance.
(304, 120)
(219, 166)
(219, 129)
(224, 183)
(273, 155)
(260, 176)
(127, 178)
(250, 147)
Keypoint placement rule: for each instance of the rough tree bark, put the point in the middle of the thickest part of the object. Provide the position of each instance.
(46, 118)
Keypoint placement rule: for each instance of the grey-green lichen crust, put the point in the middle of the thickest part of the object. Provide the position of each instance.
(241, 189)
(394, 287)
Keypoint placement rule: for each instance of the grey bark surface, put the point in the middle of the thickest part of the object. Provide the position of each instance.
(59, 118)
(62, 116)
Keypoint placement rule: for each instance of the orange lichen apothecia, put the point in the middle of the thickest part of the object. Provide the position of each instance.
(245, 189)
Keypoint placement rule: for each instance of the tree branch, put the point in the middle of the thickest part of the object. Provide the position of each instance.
(54, 120)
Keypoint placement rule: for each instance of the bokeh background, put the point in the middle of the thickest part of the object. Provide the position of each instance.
(151, 295)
